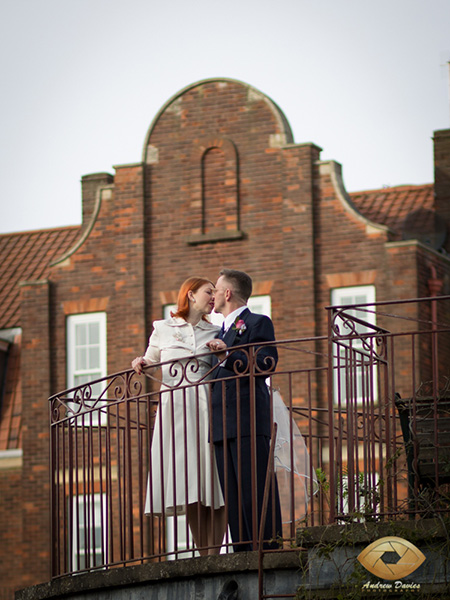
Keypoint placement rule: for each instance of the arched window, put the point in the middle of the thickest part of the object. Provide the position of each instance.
(218, 207)
(215, 170)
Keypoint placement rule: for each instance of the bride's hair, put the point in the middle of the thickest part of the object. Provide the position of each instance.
(190, 285)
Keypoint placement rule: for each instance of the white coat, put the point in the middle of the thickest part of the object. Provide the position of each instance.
(182, 425)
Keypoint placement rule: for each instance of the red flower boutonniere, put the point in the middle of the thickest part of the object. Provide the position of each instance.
(239, 326)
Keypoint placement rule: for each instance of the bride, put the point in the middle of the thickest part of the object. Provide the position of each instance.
(183, 475)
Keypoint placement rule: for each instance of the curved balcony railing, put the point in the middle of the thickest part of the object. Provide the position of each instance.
(357, 463)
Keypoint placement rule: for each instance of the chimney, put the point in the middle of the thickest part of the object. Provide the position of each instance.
(442, 178)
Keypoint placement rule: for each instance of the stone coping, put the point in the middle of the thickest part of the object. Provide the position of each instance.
(365, 533)
(162, 571)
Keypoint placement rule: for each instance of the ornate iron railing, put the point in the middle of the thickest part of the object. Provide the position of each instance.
(356, 395)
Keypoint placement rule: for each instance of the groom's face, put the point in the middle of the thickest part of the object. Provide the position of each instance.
(220, 295)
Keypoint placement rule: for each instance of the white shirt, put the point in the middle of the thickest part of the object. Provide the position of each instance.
(231, 318)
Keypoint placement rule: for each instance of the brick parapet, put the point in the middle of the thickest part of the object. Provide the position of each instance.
(198, 120)
(89, 186)
(127, 324)
(106, 273)
(35, 302)
(297, 227)
(441, 141)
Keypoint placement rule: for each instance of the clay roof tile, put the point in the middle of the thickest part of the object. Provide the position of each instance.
(390, 206)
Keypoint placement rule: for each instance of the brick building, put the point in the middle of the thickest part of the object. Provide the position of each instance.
(221, 183)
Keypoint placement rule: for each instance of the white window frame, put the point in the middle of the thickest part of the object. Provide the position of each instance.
(261, 305)
(361, 294)
(94, 506)
(88, 374)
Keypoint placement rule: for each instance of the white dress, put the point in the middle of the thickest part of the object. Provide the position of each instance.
(182, 463)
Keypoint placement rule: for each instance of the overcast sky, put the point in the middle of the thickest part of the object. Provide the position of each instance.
(81, 81)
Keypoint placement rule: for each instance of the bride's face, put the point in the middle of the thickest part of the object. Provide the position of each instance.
(203, 299)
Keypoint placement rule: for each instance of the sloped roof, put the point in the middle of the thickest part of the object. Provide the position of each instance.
(26, 256)
(390, 206)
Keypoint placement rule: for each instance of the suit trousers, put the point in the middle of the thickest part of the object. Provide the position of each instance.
(240, 513)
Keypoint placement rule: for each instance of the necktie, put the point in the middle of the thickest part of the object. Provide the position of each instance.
(222, 331)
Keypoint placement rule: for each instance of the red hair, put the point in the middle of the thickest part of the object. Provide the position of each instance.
(190, 285)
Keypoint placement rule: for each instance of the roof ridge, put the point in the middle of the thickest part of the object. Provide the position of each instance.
(37, 231)
(392, 205)
(393, 188)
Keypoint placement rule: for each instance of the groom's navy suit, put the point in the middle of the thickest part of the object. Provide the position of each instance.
(230, 396)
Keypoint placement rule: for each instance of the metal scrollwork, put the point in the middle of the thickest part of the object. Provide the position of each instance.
(264, 364)
(135, 386)
(192, 367)
(372, 343)
(121, 388)
(181, 371)
(346, 323)
(175, 370)
(55, 411)
(241, 366)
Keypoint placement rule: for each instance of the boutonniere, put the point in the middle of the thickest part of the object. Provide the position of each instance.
(177, 335)
(239, 326)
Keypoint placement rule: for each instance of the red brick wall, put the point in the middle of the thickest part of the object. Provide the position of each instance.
(12, 552)
(35, 497)
(442, 178)
(347, 251)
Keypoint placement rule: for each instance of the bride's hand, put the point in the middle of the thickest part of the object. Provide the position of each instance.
(218, 347)
(138, 363)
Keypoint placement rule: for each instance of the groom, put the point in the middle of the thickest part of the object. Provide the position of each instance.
(231, 410)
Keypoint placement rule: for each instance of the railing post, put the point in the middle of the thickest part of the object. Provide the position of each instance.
(54, 512)
(332, 474)
(252, 383)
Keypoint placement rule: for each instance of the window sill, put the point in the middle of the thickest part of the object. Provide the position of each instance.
(214, 236)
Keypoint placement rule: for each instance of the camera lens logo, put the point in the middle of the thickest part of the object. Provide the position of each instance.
(391, 558)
